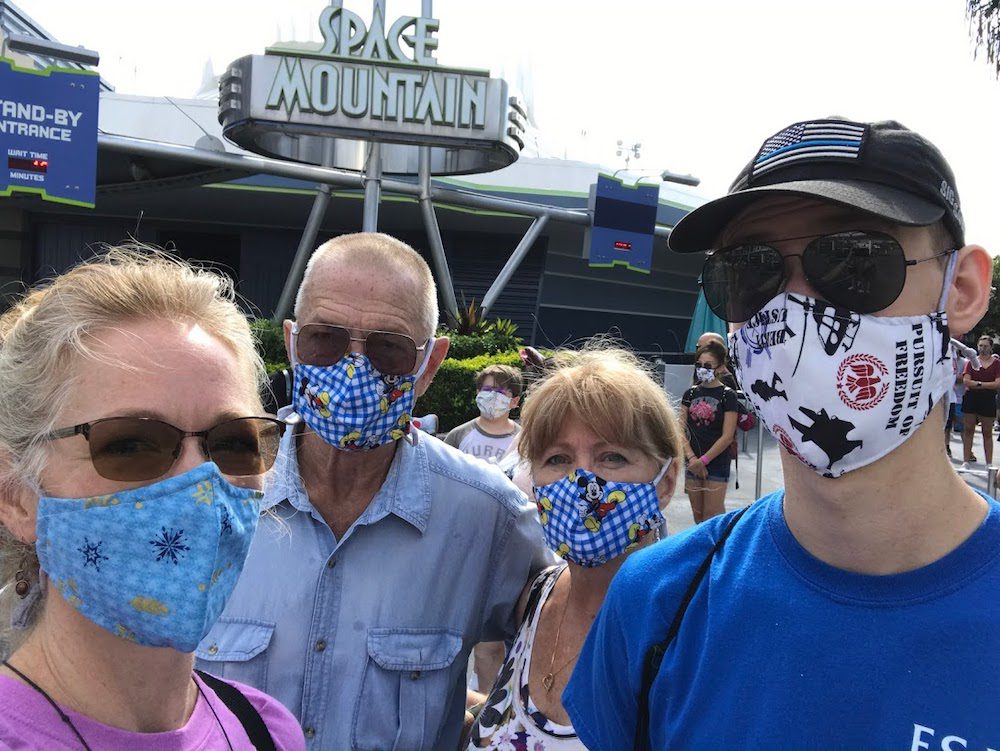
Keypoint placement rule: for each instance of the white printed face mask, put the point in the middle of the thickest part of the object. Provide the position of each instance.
(840, 390)
(493, 404)
(704, 375)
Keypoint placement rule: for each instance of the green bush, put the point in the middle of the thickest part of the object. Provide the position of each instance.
(452, 395)
(464, 346)
(270, 343)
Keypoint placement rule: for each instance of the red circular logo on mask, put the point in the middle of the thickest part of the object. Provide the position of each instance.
(862, 381)
(785, 440)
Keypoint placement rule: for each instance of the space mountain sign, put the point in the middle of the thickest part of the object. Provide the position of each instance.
(371, 84)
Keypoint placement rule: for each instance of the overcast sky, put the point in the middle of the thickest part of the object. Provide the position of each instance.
(699, 84)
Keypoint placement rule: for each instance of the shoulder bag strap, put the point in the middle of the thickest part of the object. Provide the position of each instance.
(654, 656)
(240, 706)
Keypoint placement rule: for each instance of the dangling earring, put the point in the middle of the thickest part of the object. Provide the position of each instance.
(22, 584)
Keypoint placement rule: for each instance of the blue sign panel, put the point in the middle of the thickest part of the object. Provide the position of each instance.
(623, 224)
(48, 132)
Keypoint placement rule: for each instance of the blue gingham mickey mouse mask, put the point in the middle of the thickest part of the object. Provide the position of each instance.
(589, 520)
(351, 405)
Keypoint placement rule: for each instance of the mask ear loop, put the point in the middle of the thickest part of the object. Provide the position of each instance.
(949, 274)
(662, 472)
(411, 435)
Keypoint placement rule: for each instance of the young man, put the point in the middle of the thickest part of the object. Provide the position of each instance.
(856, 608)
(489, 436)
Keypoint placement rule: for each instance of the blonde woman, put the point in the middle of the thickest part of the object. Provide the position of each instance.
(603, 445)
(132, 449)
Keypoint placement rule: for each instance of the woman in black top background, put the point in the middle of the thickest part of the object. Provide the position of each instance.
(709, 410)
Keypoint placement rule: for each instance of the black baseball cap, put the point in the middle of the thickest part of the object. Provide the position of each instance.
(880, 168)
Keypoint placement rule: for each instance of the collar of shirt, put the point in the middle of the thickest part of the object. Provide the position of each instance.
(406, 491)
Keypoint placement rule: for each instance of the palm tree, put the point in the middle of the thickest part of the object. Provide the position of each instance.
(984, 27)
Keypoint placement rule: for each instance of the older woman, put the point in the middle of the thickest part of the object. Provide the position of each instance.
(131, 455)
(603, 444)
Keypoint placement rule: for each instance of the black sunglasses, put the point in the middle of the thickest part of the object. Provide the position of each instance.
(862, 271)
(131, 449)
(705, 365)
(324, 344)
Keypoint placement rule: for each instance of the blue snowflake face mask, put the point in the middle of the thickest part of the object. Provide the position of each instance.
(352, 406)
(154, 564)
(589, 520)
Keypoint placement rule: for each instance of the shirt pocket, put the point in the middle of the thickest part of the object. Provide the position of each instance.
(236, 649)
(405, 689)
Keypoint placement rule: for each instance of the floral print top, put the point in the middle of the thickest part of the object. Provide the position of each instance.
(510, 721)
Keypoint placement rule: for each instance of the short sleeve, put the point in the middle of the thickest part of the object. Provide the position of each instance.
(455, 435)
(686, 399)
(729, 401)
(518, 554)
(967, 368)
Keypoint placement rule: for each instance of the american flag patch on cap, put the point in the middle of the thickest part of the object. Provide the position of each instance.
(820, 139)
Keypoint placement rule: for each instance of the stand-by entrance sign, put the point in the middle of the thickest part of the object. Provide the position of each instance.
(48, 133)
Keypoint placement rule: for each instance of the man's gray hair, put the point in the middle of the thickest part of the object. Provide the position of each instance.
(384, 255)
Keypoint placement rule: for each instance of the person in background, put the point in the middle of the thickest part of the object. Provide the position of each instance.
(603, 445)
(726, 378)
(979, 404)
(132, 453)
(958, 393)
(827, 614)
(709, 411)
(489, 436)
(361, 597)
(960, 355)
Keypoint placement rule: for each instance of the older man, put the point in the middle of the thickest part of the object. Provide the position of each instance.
(359, 603)
(856, 608)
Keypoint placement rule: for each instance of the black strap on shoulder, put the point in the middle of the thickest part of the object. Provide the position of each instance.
(654, 656)
(536, 591)
(240, 706)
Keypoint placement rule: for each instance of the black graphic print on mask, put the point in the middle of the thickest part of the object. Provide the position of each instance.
(768, 391)
(941, 326)
(836, 327)
(828, 432)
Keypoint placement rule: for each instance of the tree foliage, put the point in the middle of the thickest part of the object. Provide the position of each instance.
(984, 28)
(990, 324)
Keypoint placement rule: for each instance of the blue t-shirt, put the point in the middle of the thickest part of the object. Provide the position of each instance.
(779, 650)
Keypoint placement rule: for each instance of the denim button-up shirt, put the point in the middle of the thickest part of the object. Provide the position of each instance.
(366, 639)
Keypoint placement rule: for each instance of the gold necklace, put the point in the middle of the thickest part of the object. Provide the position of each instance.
(550, 678)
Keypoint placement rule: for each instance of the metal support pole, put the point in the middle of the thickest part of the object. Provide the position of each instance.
(445, 289)
(307, 243)
(513, 262)
(373, 187)
(760, 456)
(991, 482)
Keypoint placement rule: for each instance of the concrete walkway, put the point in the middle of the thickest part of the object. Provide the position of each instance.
(679, 511)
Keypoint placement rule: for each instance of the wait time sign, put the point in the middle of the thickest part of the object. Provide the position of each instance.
(48, 132)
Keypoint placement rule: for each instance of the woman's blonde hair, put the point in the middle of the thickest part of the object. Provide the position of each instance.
(610, 390)
(47, 334)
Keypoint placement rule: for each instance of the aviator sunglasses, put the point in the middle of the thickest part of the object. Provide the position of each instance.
(132, 449)
(862, 271)
(323, 344)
